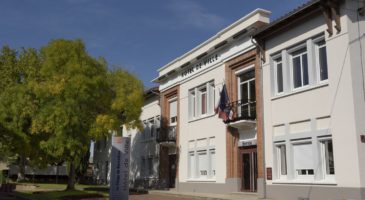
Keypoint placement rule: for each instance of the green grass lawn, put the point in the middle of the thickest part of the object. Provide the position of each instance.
(57, 191)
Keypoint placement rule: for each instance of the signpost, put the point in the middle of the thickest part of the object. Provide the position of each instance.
(119, 178)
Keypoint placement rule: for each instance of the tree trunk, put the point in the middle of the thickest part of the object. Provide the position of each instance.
(21, 173)
(71, 177)
(57, 174)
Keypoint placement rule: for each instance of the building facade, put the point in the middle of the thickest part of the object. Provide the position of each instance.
(145, 150)
(314, 102)
(212, 155)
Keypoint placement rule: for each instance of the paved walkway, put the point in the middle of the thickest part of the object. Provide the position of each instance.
(193, 195)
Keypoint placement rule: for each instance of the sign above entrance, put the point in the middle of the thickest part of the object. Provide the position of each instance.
(199, 66)
(245, 143)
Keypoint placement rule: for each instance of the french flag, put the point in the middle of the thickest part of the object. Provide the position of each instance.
(223, 110)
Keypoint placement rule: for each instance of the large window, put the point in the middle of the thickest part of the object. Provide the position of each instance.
(303, 159)
(201, 100)
(278, 68)
(151, 127)
(321, 59)
(299, 64)
(247, 93)
(310, 159)
(306, 62)
(327, 157)
(173, 111)
(281, 159)
(203, 164)
(201, 160)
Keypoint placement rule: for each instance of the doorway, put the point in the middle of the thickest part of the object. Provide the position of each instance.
(172, 166)
(249, 169)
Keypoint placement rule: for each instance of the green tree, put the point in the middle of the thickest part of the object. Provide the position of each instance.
(123, 104)
(71, 92)
(18, 106)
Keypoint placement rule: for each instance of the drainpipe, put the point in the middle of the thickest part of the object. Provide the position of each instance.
(262, 59)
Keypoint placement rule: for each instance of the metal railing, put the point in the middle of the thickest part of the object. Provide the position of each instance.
(166, 134)
(242, 110)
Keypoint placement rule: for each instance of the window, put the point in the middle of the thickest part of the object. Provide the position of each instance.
(202, 164)
(299, 65)
(327, 157)
(192, 103)
(306, 62)
(321, 59)
(201, 100)
(201, 159)
(247, 93)
(143, 171)
(278, 69)
(303, 160)
(191, 163)
(150, 166)
(173, 111)
(281, 159)
(151, 122)
(212, 162)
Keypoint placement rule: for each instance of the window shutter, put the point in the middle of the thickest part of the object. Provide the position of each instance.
(303, 156)
(173, 109)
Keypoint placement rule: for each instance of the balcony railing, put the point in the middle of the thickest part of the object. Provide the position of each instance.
(242, 110)
(166, 134)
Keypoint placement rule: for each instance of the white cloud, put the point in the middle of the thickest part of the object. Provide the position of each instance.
(191, 14)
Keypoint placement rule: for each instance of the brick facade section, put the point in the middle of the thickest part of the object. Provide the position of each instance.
(164, 172)
(232, 136)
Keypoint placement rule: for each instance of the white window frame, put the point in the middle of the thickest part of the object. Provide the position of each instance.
(170, 101)
(317, 61)
(194, 102)
(296, 175)
(200, 97)
(193, 173)
(212, 173)
(291, 64)
(275, 58)
(278, 159)
(322, 149)
(239, 83)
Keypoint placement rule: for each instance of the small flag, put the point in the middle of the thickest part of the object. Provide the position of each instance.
(223, 109)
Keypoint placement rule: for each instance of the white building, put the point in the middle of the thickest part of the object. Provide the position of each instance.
(314, 102)
(213, 156)
(144, 162)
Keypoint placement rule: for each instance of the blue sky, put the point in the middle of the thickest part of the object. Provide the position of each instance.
(139, 35)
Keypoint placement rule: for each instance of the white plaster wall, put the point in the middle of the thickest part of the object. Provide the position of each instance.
(142, 147)
(207, 127)
(356, 27)
(335, 99)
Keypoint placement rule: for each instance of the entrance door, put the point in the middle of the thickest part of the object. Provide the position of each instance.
(249, 170)
(172, 165)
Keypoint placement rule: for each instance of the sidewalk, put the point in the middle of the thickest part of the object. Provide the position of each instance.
(193, 195)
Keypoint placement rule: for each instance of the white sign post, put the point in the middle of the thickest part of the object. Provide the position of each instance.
(119, 177)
